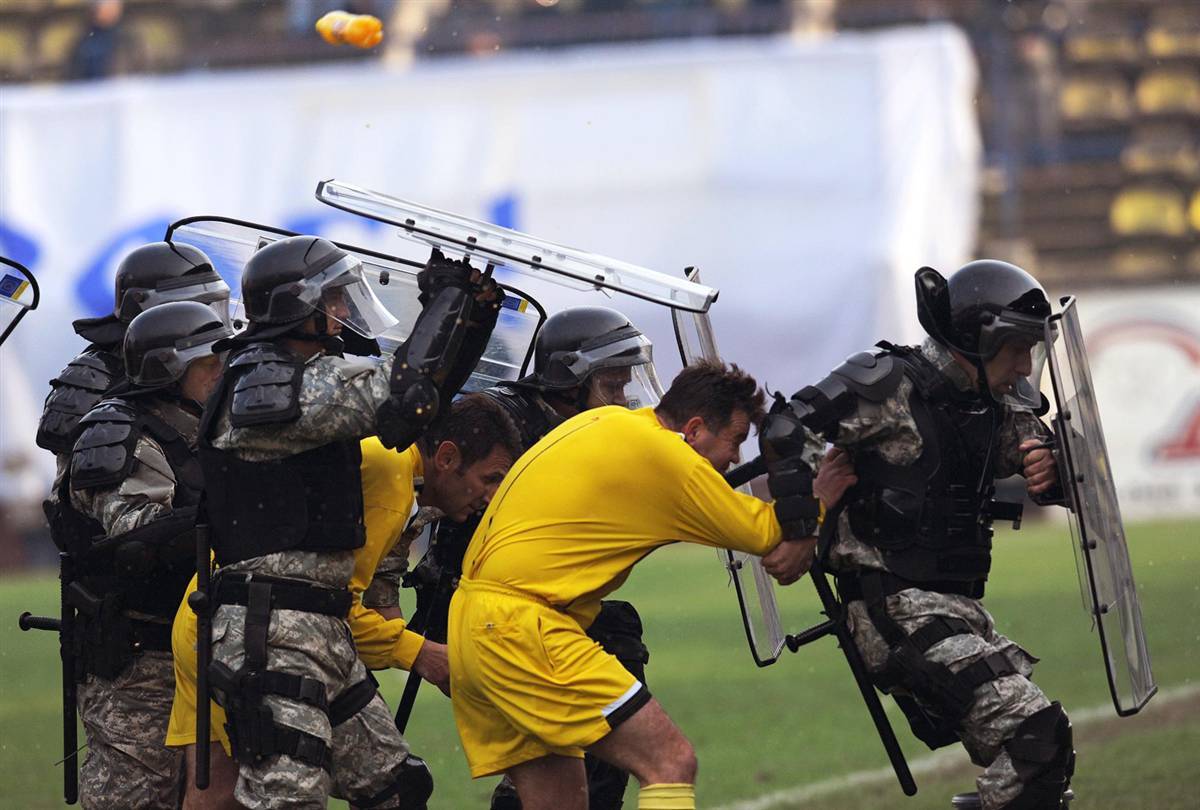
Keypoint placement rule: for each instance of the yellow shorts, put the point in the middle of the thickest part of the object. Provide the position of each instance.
(526, 681)
(181, 730)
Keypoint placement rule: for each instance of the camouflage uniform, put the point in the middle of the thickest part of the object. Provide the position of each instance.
(384, 590)
(338, 399)
(1000, 705)
(125, 719)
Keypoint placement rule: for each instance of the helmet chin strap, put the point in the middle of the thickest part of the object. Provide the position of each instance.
(332, 344)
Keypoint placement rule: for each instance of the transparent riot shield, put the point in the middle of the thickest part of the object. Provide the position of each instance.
(1101, 554)
(517, 251)
(230, 243)
(760, 616)
(19, 293)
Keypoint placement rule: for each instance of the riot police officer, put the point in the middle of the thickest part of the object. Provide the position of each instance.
(126, 516)
(280, 450)
(151, 274)
(584, 357)
(929, 429)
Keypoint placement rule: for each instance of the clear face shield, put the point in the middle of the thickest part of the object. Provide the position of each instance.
(1015, 346)
(204, 288)
(341, 293)
(622, 373)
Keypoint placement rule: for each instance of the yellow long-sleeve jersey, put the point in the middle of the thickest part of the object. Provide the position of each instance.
(596, 495)
(389, 501)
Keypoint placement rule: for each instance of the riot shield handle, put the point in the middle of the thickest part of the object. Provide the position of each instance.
(201, 604)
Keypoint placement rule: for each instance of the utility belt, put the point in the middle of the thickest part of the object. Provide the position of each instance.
(934, 698)
(106, 639)
(850, 585)
(253, 733)
(281, 593)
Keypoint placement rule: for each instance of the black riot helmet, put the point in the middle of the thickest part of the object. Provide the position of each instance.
(154, 274)
(288, 280)
(580, 344)
(978, 309)
(161, 342)
(985, 303)
(160, 272)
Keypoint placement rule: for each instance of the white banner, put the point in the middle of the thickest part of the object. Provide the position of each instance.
(808, 180)
(1144, 350)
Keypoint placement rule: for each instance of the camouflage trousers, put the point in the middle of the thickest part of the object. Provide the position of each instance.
(367, 750)
(127, 763)
(1000, 705)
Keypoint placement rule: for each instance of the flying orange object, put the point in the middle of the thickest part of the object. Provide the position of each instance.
(344, 28)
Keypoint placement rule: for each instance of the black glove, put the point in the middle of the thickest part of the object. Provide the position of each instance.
(781, 434)
(439, 273)
(790, 482)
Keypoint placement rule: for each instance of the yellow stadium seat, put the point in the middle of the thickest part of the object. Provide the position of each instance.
(1169, 91)
(1174, 32)
(14, 52)
(1102, 47)
(1194, 211)
(1148, 211)
(1134, 262)
(1166, 151)
(1085, 98)
(56, 41)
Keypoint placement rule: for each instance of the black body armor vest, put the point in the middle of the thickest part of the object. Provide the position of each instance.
(76, 390)
(311, 501)
(141, 573)
(931, 518)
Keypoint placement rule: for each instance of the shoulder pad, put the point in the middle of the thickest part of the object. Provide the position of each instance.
(267, 385)
(75, 391)
(871, 375)
(103, 453)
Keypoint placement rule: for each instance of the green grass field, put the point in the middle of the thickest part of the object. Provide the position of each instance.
(799, 722)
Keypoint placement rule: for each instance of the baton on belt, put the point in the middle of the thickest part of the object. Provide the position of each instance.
(65, 627)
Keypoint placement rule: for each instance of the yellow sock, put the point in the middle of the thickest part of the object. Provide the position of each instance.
(667, 797)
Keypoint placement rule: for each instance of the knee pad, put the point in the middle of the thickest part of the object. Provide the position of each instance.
(1043, 755)
(410, 789)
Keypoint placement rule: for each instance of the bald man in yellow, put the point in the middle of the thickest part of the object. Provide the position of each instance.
(530, 690)
(453, 470)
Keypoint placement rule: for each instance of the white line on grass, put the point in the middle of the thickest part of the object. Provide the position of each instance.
(931, 763)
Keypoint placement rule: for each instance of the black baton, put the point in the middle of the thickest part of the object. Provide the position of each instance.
(200, 603)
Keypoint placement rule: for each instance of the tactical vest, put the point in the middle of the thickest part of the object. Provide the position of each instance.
(142, 572)
(150, 565)
(76, 390)
(311, 501)
(530, 416)
(930, 518)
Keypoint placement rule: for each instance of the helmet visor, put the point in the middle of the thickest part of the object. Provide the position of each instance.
(630, 387)
(1015, 372)
(620, 349)
(340, 292)
(204, 288)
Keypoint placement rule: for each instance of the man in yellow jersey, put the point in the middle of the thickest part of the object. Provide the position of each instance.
(454, 469)
(531, 692)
